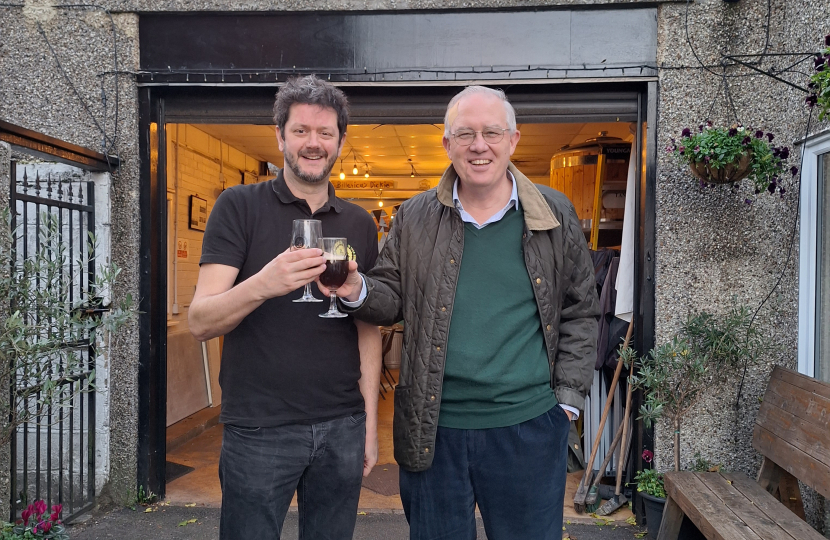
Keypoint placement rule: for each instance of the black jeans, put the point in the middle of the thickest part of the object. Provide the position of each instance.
(515, 474)
(261, 468)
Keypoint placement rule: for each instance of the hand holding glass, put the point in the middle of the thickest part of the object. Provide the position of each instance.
(307, 233)
(335, 251)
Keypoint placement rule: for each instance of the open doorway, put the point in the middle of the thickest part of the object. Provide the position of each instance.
(381, 166)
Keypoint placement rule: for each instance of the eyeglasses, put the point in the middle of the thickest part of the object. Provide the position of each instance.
(465, 137)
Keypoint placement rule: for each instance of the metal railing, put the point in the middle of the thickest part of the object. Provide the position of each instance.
(53, 456)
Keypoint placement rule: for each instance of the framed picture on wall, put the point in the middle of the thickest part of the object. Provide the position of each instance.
(198, 213)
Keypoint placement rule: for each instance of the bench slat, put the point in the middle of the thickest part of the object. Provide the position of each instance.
(762, 517)
(705, 509)
(802, 381)
(807, 405)
(812, 439)
(767, 504)
(792, 459)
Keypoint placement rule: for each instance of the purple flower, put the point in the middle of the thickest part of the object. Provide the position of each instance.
(702, 184)
(697, 149)
(819, 61)
(757, 191)
(759, 134)
(772, 186)
(785, 153)
(770, 136)
(827, 40)
(706, 159)
(782, 191)
(776, 152)
(709, 123)
(811, 100)
(681, 149)
(746, 140)
(820, 68)
(793, 170)
(686, 132)
(700, 128)
(748, 201)
(648, 456)
(733, 132)
(40, 508)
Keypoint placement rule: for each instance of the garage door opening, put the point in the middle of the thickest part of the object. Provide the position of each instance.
(381, 166)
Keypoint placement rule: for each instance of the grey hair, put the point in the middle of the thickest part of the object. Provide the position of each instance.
(470, 90)
(311, 91)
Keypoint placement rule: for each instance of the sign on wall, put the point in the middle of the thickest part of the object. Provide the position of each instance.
(198, 213)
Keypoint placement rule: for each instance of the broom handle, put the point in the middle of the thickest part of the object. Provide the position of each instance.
(590, 464)
(608, 454)
(625, 431)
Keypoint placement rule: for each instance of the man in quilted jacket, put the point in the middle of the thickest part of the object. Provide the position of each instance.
(492, 277)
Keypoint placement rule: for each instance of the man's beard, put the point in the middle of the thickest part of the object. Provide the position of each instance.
(292, 163)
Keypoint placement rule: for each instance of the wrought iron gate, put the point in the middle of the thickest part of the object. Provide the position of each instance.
(53, 459)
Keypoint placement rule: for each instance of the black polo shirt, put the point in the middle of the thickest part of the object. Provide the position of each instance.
(283, 364)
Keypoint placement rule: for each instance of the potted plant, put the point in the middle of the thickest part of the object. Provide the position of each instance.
(721, 155)
(651, 488)
(820, 82)
(674, 377)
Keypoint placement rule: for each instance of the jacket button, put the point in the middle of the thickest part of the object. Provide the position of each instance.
(538, 280)
(452, 261)
(426, 450)
(548, 328)
(443, 308)
(432, 398)
(437, 348)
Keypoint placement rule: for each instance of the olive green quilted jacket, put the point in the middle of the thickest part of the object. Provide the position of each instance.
(415, 279)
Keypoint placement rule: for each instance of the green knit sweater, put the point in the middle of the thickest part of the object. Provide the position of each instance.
(496, 370)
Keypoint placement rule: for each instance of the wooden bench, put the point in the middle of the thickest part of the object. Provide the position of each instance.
(792, 431)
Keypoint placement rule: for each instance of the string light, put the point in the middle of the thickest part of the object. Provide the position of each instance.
(354, 170)
(342, 174)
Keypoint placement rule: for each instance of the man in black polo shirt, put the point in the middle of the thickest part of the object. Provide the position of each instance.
(299, 392)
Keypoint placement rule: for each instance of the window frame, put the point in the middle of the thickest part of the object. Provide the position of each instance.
(813, 147)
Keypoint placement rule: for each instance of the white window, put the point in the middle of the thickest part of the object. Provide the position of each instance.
(814, 269)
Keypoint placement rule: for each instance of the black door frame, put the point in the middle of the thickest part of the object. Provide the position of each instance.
(152, 376)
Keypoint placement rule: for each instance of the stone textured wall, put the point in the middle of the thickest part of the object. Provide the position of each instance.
(66, 102)
(713, 250)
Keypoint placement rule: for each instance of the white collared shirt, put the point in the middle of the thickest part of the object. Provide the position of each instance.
(467, 218)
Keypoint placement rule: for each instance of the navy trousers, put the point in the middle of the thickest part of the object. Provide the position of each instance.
(261, 468)
(516, 475)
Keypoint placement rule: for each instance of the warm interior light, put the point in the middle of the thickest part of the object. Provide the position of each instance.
(380, 204)
(366, 175)
(355, 171)
(342, 175)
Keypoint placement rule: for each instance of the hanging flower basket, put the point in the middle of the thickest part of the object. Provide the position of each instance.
(726, 174)
(820, 82)
(721, 155)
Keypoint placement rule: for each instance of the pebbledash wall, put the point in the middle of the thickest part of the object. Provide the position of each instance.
(712, 250)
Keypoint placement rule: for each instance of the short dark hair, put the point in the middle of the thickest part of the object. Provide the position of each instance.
(311, 91)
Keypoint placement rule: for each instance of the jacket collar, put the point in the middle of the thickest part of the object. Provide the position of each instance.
(537, 212)
(284, 194)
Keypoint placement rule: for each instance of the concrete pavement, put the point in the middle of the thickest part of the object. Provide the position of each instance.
(201, 523)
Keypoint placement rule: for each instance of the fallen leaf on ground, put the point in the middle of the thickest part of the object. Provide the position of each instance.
(631, 520)
(191, 505)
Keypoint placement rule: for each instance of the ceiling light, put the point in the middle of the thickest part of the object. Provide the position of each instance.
(380, 204)
(342, 174)
(354, 170)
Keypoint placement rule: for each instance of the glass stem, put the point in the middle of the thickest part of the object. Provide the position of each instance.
(333, 306)
(307, 290)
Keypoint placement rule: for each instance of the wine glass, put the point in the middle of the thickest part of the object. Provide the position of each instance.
(307, 233)
(335, 251)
